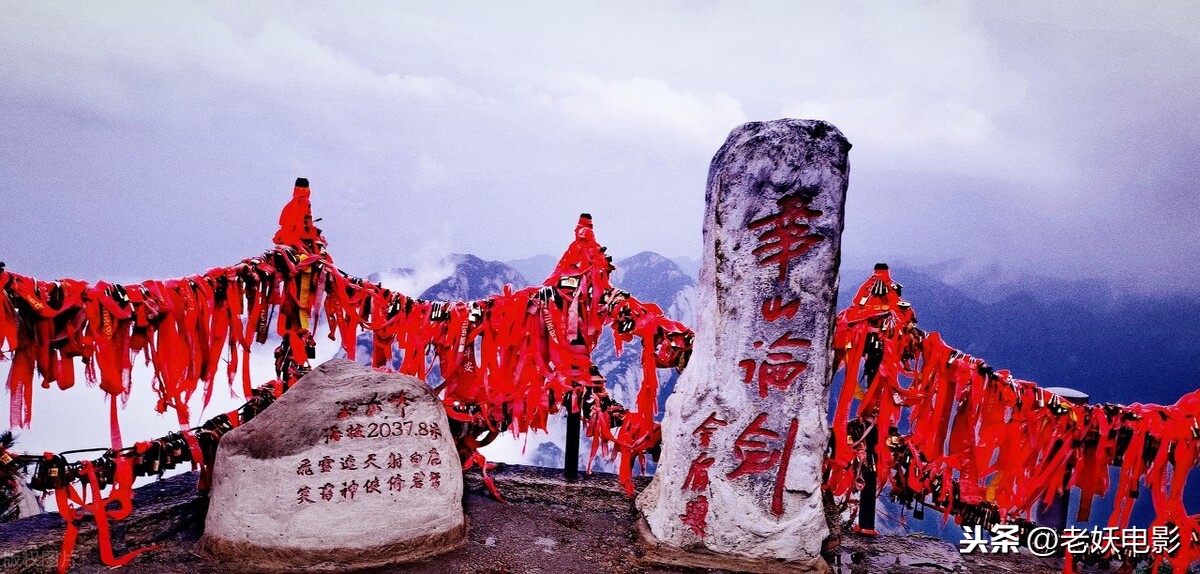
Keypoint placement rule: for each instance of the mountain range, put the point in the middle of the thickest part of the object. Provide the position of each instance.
(1119, 347)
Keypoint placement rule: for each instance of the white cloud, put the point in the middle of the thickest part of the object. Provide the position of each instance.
(424, 275)
(641, 102)
(896, 122)
(494, 120)
(285, 57)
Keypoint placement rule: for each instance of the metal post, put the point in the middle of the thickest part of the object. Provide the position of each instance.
(571, 464)
(870, 474)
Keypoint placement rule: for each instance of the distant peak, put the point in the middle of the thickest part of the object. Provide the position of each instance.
(465, 258)
(644, 258)
(651, 271)
(473, 278)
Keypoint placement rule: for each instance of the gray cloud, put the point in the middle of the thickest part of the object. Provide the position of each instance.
(150, 140)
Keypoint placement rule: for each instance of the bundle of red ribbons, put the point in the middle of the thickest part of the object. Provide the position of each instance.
(508, 362)
(984, 446)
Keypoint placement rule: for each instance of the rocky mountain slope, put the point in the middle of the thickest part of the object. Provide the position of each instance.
(474, 278)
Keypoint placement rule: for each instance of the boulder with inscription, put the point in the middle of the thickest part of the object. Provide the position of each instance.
(738, 486)
(350, 468)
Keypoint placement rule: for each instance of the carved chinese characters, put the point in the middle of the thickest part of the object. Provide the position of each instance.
(343, 451)
(347, 475)
(738, 484)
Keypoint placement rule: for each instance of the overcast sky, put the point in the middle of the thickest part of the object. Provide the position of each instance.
(161, 139)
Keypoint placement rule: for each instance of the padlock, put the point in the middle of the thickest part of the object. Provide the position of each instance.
(150, 459)
(439, 311)
(310, 346)
(262, 329)
(616, 296)
(1057, 406)
(220, 289)
(219, 424)
(879, 288)
(208, 440)
(106, 468)
(178, 449)
(1150, 446)
(569, 282)
(1123, 435)
(394, 307)
(50, 473)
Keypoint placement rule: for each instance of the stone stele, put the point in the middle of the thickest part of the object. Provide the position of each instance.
(738, 486)
(349, 469)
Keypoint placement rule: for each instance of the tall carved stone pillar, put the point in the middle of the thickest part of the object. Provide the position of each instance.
(738, 485)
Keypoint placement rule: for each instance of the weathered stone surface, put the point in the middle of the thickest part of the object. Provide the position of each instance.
(594, 491)
(27, 501)
(351, 468)
(745, 432)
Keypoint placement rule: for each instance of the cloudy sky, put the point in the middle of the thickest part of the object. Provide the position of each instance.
(159, 140)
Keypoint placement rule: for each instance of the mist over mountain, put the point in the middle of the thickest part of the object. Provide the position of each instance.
(458, 277)
(473, 279)
(1116, 346)
(393, 274)
(689, 265)
(535, 268)
(653, 278)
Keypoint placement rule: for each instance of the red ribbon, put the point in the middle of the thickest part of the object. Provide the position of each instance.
(1009, 442)
(509, 361)
(74, 505)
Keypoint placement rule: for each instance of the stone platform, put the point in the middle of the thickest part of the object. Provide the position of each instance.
(550, 526)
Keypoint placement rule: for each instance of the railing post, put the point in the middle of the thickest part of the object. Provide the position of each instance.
(571, 464)
(1054, 515)
(870, 474)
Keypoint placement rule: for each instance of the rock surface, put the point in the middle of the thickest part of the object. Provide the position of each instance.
(589, 521)
(27, 501)
(350, 468)
(738, 484)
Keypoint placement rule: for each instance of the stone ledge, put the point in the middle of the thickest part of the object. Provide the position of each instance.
(517, 483)
(172, 508)
(655, 552)
(582, 527)
(269, 559)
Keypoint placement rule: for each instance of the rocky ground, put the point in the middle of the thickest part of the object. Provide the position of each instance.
(549, 526)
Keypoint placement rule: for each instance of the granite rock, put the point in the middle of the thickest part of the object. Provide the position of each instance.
(350, 468)
(738, 484)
